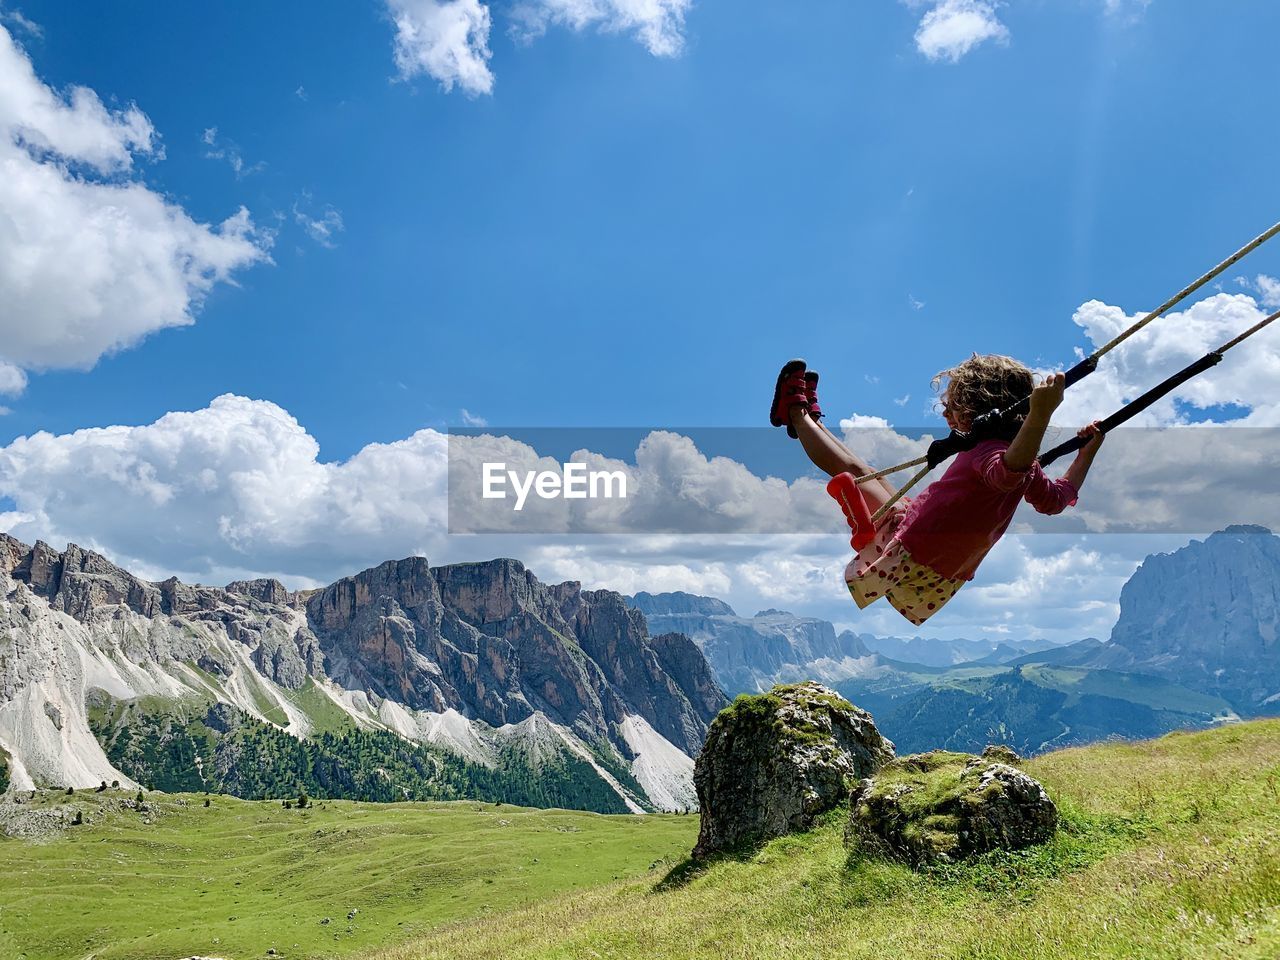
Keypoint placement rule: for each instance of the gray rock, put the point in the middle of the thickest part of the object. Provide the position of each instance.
(775, 761)
(944, 807)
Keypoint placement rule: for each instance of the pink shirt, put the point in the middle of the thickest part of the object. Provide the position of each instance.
(959, 517)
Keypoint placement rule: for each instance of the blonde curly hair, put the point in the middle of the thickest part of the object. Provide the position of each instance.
(983, 383)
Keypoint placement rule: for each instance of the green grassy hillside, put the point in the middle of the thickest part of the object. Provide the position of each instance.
(1168, 849)
(239, 878)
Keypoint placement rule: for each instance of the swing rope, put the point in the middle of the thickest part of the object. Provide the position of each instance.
(1124, 414)
(1134, 407)
(946, 447)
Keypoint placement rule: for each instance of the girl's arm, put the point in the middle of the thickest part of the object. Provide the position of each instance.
(1079, 468)
(1026, 445)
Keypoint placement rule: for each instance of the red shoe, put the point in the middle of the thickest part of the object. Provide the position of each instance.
(791, 389)
(844, 488)
(811, 393)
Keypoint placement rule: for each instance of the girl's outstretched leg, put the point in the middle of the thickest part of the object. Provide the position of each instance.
(862, 468)
(832, 457)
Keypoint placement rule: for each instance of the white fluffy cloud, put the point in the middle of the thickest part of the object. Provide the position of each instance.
(12, 380)
(951, 28)
(1248, 377)
(236, 486)
(1269, 289)
(92, 261)
(447, 40)
(658, 24)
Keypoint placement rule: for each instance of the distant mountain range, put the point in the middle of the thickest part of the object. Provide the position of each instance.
(1195, 644)
(478, 680)
(750, 654)
(494, 679)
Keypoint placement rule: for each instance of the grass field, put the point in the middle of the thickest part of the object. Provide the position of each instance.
(243, 877)
(1169, 849)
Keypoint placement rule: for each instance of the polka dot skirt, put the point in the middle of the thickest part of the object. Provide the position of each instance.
(883, 568)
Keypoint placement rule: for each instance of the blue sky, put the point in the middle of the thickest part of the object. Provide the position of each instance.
(613, 221)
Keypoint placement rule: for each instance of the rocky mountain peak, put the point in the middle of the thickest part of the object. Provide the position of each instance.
(1208, 616)
(496, 644)
(265, 590)
(679, 603)
(1237, 530)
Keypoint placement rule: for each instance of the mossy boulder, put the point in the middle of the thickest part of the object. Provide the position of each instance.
(775, 761)
(943, 807)
(1002, 753)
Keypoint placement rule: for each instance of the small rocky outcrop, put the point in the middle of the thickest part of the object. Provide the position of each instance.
(1002, 753)
(773, 762)
(943, 807)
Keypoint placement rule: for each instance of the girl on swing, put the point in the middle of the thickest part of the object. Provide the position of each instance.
(926, 547)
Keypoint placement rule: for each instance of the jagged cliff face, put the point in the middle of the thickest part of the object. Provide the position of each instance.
(751, 654)
(72, 622)
(472, 657)
(1206, 616)
(158, 622)
(490, 640)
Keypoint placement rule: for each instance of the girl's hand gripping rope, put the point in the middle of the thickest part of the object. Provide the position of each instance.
(1092, 432)
(1048, 396)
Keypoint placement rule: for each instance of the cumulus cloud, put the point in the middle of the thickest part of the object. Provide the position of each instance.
(1267, 288)
(92, 261)
(448, 40)
(951, 28)
(1247, 378)
(12, 380)
(658, 24)
(237, 485)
